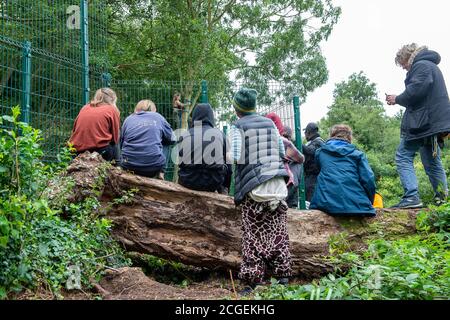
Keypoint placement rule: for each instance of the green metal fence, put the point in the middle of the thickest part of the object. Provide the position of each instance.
(48, 61)
(53, 52)
(55, 26)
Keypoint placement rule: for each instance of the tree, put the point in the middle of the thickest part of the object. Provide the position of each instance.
(208, 39)
(356, 104)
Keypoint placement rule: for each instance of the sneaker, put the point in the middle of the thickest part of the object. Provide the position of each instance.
(440, 199)
(408, 203)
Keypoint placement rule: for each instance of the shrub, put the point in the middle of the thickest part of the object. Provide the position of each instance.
(37, 246)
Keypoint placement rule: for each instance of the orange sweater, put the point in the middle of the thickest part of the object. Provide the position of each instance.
(95, 127)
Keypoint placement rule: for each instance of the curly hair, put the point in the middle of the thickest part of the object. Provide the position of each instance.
(407, 53)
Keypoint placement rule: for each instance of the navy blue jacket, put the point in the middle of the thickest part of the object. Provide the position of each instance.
(425, 98)
(346, 183)
(142, 138)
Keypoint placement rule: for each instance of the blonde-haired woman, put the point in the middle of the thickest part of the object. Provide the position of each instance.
(346, 183)
(97, 126)
(144, 135)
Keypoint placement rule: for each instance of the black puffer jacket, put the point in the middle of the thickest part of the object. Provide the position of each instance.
(425, 98)
(201, 173)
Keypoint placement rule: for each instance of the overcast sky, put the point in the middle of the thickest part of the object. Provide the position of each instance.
(367, 37)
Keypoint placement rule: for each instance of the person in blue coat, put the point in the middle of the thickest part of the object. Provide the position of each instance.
(346, 183)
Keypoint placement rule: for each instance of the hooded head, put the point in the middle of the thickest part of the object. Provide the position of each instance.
(276, 119)
(244, 101)
(203, 112)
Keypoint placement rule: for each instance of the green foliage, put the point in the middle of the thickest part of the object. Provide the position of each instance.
(192, 40)
(19, 156)
(437, 219)
(37, 245)
(416, 267)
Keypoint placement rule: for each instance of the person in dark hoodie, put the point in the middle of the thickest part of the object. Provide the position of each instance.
(425, 122)
(314, 142)
(202, 151)
(143, 136)
(346, 183)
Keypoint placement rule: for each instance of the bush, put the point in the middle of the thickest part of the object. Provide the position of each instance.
(416, 267)
(37, 246)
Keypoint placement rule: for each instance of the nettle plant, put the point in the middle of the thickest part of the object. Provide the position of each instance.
(38, 247)
(20, 165)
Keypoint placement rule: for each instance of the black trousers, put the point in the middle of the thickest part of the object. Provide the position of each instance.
(144, 172)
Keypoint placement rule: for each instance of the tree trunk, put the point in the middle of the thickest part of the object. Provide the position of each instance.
(204, 229)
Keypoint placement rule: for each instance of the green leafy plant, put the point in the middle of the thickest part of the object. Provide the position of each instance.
(38, 248)
(416, 267)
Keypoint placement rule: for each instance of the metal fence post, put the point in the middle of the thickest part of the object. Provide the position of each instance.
(26, 82)
(204, 96)
(298, 143)
(85, 49)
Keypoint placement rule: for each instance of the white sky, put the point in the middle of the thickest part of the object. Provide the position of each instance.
(367, 37)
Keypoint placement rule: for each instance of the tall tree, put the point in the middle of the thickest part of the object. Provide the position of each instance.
(191, 40)
(356, 104)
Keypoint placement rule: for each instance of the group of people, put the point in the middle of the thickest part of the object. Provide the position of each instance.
(268, 167)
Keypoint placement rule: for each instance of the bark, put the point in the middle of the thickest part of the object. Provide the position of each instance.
(204, 229)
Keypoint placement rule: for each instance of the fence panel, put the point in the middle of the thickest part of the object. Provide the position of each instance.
(54, 26)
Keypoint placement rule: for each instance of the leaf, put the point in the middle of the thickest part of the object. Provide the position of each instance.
(8, 118)
(411, 277)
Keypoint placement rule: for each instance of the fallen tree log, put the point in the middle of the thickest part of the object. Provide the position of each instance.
(204, 229)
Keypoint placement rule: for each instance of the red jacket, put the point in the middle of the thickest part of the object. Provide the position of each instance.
(95, 127)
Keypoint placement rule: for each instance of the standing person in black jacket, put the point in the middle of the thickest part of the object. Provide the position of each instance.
(312, 170)
(425, 122)
(203, 164)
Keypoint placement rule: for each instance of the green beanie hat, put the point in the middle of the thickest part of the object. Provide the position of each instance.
(245, 100)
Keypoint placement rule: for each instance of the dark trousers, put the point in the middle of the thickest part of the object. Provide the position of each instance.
(200, 182)
(292, 198)
(310, 185)
(144, 172)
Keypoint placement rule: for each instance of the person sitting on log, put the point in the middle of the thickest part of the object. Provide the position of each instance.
(144, 133)
(97, 126)
(346, 183)
(202, 151)
(292, 162)
(260, 193)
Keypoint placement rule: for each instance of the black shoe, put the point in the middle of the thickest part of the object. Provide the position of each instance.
(223, 191)
(440, 199)
(409, 203)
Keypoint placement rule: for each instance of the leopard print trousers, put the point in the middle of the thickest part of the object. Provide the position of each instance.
(265, 241)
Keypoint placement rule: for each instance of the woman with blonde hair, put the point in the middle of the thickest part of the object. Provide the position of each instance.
(346, 183)
(144, 135)
(97, 126)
